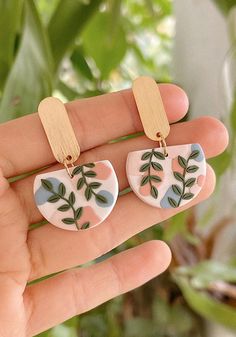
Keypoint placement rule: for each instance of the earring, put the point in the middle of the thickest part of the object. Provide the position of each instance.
(76, 197)
(166, 176)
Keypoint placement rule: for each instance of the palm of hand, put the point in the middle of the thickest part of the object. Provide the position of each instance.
(26, 255)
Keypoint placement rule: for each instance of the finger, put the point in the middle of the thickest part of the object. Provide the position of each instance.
(64, 249)
(79, 290)
(196, 131)
(95, 120)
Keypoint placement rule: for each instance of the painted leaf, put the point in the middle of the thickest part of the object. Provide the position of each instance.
(188, 196)
(145, 180)
(88, 193)
(72, 198)
(90, 174)
(154, 192)
(157, 166)
(80, 183)
(190, 182)
(78, 213)
(47, 185)
(61, 189)
(90, 165)
(159, 155)
(155, 178)
(68, 221)
(95, 185)
(64, 208)
(146, 155)
(177, 189)
(182, 162)
(172, 202)
(144, 167)
(85, 225)
(194, 154)
(192, 169)
(77, 170)
(179, 176)
(53, 198)
(101, 198)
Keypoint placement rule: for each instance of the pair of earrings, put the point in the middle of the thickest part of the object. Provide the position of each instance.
(80, 197)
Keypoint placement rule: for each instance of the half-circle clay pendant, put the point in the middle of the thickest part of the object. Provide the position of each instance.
(78, 197)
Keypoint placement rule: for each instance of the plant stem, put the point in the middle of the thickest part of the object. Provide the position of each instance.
(184, 174)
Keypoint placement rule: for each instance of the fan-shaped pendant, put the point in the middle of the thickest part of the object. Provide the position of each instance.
(80, 202)
(167, 182)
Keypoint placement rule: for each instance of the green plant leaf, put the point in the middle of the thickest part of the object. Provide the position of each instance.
(144, 180)
(47, 185)
(80, 63)
(72, 198)
(101, 198)
(179, 176)
(155, 178)
(88, 193)
(154, 192)
(159, 155)
(172, 202)
(190, 182)
(107, 50)
(182, 162)
(77, 170)
(53, 198)
(85, 225)
(80, 183)
(144, 167)
(194, 154)
(29, 80)
(95, 185)
(61, 189)
(64, 208)
(67, 21)
(78, 213)
(68, 221)
(10, 17)
(156, 166)
(177, 189)
(192, 169)
(146, 155)
(188, 196)
(90, 174)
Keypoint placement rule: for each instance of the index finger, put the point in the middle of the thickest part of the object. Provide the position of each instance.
(97, 120)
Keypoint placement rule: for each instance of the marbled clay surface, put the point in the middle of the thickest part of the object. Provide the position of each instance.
(167, 182)
(80, 202)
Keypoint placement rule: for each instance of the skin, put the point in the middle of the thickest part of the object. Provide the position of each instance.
(26, 255)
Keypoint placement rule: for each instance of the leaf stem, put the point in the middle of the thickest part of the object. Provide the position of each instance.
(184, 174)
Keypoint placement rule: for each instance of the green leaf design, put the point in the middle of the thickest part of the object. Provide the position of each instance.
(47, 185)
(146, 155)
(172, 202)
(188, 196)
(177, 189)
(61, 189)
(90, 165)
(182, 162)
(159, 155)
(194, 154)
(54, 198)
(80, 183)
(95, 185)
(179, 176)
(72, 198)
(192, 169)
(77, 170)
(68, 221)
(101, 198)
(144, 180)
(190, 182)
(78, 213)
(156, 166)
(155, 178)
(144, 167)
(85, 225)
(90, 174)
(154, 192)
(88, 193)
(64, 208)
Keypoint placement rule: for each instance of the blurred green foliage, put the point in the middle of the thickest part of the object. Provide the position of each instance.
(76, 49)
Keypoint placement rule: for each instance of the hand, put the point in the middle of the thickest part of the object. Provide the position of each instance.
(26, 255)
